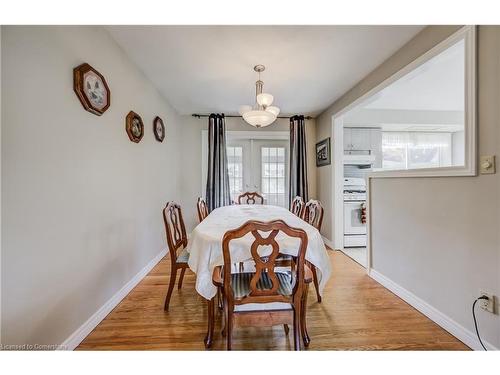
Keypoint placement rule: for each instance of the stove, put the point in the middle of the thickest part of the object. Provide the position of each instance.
(354, 189)
(354, 212)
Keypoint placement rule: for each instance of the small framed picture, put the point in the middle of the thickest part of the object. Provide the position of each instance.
(134, 127)
(159, 129)
(323, 152)
(91, 88)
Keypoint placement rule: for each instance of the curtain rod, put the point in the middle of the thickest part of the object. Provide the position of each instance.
(199, 116)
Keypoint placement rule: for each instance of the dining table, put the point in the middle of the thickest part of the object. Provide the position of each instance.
(205, 245)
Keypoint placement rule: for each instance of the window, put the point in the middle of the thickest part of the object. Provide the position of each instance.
(235, 170)
(426, 112)
(411, 150)
(273, 175)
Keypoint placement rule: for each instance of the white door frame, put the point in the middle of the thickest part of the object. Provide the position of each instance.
(338, 182)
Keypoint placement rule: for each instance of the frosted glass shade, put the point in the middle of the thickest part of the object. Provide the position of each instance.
(244, 108)
(274, 110)
(258, 118)
(265, 99)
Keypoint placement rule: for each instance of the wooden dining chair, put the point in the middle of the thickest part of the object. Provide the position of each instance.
(250, 198)
(297, 207)
(313, 214)
(267, 296)
(202, 209)
(177, 242)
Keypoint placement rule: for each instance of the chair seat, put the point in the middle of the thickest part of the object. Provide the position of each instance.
(240, 283)
(183, 257)
(270, 306)
(284, 257)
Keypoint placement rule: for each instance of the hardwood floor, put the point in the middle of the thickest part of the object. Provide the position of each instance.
(357, 313)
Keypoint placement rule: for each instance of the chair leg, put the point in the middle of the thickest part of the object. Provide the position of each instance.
(296, 325)
(303, 323)
(316, 284)
(287, 329)
(211, 324)
(228, 327)
(181, 277)
(171, 284)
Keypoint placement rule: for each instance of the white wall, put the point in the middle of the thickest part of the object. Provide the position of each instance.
(191, 157)
(82, 204)
(438, 238)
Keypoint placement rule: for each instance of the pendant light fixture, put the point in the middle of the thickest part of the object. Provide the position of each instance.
(262, 113)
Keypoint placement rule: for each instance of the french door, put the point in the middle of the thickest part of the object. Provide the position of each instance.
(259, 165)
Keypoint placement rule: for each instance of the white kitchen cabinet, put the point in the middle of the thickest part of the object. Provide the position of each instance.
(357, 139)
(347, 139)
(360, 139)
(376, 146)
(364, 139)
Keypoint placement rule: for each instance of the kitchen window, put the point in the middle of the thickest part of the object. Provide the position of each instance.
(426, 113)
(413, 150)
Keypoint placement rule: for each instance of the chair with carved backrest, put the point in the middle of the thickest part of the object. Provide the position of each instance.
(313, 214)
(202, 209)
(250, 197)
(267, 296)
(177, 242)
(297, 207)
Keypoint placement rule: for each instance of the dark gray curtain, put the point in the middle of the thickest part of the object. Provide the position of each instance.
(217, 194)
(298, 159)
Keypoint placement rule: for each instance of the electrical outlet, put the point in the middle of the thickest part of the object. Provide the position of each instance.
(487, 304)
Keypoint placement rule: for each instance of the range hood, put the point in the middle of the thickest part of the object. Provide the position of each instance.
(351, 159)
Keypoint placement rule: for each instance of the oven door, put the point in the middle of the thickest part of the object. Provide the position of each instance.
(352, 218)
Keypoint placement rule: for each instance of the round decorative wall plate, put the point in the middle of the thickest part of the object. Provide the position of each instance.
(134, 127)
(92, 89)
(159, 129)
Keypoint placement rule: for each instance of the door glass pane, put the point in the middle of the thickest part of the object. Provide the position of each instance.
(235, 170)
(273, 175)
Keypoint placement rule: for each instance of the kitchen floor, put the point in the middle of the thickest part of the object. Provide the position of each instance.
(358, 254)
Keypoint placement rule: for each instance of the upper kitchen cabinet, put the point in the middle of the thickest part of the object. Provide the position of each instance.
(368, 140)
(376, 146)
(359, 139)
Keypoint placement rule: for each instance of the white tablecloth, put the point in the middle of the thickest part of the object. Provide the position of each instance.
(205, 242)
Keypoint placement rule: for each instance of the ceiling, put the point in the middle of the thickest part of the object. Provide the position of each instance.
(436, 85)
(203, 69)
(429, 98)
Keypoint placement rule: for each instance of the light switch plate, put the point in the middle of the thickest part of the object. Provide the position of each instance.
(487, 164)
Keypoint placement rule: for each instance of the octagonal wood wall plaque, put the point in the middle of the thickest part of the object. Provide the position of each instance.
(159, 129)
(92, 89)
(134, 127)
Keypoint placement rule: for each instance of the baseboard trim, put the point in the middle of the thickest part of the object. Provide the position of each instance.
(328, 242)
(444, 321)
(83, 331)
